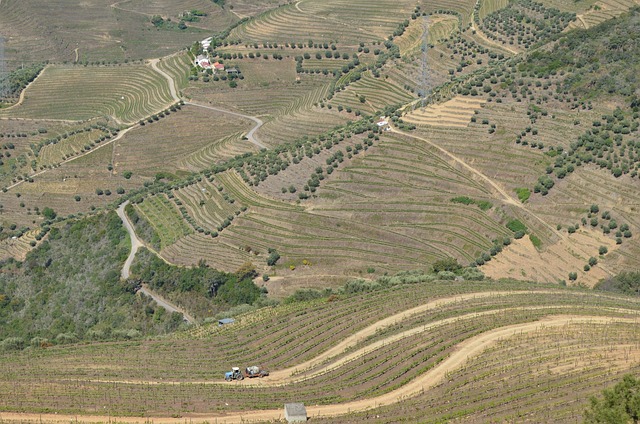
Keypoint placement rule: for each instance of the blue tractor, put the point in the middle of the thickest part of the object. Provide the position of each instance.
(234, 374)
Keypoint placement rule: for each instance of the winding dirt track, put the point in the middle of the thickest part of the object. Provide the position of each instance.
(136, 243)
(251, 135)
(506, 197)
(106, 143)
(463, 352)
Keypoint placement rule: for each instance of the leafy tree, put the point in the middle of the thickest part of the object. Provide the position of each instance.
(620, 404)
(49, 213)
(273, 257)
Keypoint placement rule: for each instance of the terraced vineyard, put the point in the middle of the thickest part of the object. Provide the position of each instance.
(124, 93)
(164, 218)
(177, 67)
(371, 94)
(444, 337)
(453, 113)
(604, 10)
(18, 247)
(207, 205)
(190, 139)
(326, 21)
(273, 90)
(440, 28)
(463, 9)
(55, 153)
(310, 122)
(279, 176)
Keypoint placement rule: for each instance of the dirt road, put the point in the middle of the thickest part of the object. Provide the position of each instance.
(172, 84)
(106, 143)
(506, 197)
(164, 303)
(463, 352)
(251, 135)
(136, 243)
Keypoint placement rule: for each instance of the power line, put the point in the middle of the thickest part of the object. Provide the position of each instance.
(424, 85)
(4, 81)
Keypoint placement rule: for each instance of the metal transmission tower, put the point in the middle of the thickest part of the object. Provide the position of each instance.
(424, 84)
(4, 81)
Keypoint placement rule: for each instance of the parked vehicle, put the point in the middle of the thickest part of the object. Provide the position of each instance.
(234, 374)
(255, 371)
(249, 372)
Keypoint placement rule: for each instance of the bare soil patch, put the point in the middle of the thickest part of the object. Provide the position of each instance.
(521, 260)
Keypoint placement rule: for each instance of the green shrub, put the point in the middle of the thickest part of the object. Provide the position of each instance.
(516, 225)
(523, 194)
(535, 241)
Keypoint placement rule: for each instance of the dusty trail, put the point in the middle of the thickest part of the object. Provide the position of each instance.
(136, 243)
(172, 84)
(251, 135)
(506, 197)
(106, 143)
(24, 90)
(463, 352)
(165, 304)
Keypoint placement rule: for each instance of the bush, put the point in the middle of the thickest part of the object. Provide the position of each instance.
(516, 225)
(446, 275)
(12, 343)
(447, 264)
(472, 273)
(49, 213)
(273, 257)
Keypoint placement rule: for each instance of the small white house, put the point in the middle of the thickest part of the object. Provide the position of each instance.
(203, 62)
(382, 123)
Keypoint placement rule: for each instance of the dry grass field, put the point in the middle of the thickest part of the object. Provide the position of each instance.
(453, 113)
(189, 140)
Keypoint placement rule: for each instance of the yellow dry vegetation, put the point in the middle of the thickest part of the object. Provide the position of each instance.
(521, 260)
(456, 112)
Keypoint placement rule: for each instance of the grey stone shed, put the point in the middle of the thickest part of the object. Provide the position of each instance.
(295, 413)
